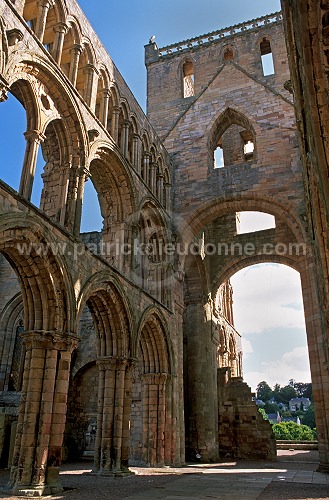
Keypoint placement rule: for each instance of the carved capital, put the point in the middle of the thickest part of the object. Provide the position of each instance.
(89, 69)
(106, 93)
(114, 362)
(34, 136)
(42, 339)
(46, 4)
(76, 49)
(61, 28)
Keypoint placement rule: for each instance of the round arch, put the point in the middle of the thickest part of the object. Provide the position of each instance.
(232, 267)
(161, 338)
(191, 224)
(111, 313)
(113, 185)
(47, 290)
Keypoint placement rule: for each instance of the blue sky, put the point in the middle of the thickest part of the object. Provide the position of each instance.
(125, 26)
(274, 350)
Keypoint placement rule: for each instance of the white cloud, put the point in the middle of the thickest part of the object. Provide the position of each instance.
(293, 364)
(267, 296)
(246, 347)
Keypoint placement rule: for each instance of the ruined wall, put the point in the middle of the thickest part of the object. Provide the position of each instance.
(243, 433)
(217, 98)
(306, 28)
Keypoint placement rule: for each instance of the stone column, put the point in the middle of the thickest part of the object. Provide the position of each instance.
(115, 124)
(60, 30)
(105, 414)
(89, 71)
(169, 428)
(42, 413)
(160, 188)
(202, 382)
(64, 184)
(126, 416)
(33, 140)
(112, 423)
(83, 175)
(154, 415)
(135, 157)
(151, 180)
(125, 139)
(104, 106)
(317, 340)
(43, 9)
(76, 51)
(167, 195)
(146, 167)
(161, 419)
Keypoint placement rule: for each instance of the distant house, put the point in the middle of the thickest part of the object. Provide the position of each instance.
(274, 418)
(298, 404)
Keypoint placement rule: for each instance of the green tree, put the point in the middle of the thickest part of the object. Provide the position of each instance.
(271, 408)
(303, 390)
(309, 417)
(263, 413)
(263, 391)
(276, 392)
(292, 431)
(286, 393)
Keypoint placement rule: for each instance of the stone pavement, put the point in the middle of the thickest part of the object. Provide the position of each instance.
(293, 476)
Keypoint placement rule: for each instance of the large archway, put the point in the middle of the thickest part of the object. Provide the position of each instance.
(269, 315)
(112, 324)
(47, 343)
(222, 251)
(151, 419)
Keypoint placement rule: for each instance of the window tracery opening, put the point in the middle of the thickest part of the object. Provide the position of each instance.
(188, 79)
(266, 57)
(228, 54)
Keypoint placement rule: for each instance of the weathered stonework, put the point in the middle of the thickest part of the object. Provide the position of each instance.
(118, 354)
(306, 27)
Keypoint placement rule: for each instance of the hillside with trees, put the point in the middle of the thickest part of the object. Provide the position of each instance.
(289, 408)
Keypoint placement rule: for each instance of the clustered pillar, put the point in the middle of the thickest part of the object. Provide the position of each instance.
(154, 418)
(42, 413)
(114, 404)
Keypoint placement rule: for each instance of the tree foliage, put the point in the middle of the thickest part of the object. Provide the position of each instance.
(263, 391)
(271, 408)
(291, 431)
(286, 393)
(308, 417)
(263, 413)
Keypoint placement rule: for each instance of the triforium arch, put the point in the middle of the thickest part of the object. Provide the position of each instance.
(48, 342)
(153, 437)
(113, 183)
(114, 325)
(152, 264)
(51, 127)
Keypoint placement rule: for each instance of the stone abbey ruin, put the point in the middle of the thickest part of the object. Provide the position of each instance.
(120, 345)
